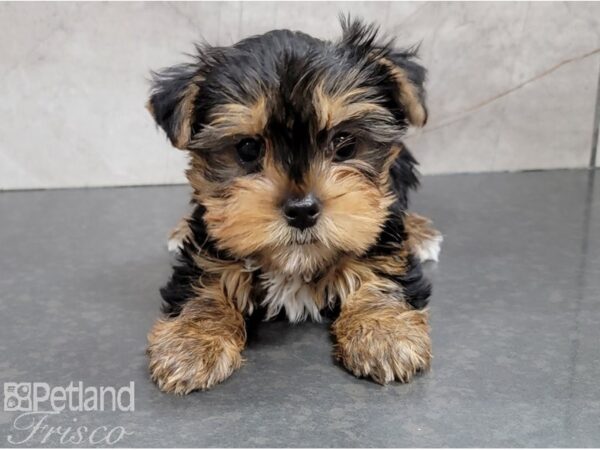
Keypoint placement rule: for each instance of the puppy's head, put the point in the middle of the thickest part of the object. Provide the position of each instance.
(291, 140)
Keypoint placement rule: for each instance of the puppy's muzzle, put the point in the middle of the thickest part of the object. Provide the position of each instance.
(302, 213)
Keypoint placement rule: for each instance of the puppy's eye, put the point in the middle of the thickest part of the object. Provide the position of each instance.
(249, 150)
(344, 146)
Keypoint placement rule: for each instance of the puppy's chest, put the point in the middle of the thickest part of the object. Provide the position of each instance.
(298, 298)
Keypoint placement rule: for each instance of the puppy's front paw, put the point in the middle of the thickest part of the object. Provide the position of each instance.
(383, 343)
(178, 235)
(185, 356)
(424, 240)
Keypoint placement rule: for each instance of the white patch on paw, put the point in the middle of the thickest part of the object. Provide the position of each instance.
(291, 293)
(178, 235)
(429, 250)
(175, 245)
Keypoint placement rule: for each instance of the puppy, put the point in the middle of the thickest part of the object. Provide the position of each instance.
(300, 183)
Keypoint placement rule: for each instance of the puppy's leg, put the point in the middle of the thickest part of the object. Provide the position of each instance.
(423, 240)
(200, 347)
(381, 337)
(178, 234)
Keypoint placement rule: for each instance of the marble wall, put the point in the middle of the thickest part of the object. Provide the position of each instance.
(512, 85)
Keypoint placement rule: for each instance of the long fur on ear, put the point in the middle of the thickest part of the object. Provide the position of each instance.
(407, 75)
(409, 78)
(172, 101)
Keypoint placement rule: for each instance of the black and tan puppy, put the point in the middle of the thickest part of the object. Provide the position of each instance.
(300, 184)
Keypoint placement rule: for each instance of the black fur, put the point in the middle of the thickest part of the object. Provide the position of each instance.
(186, 272)
(404, 177)
(415, 287)
(168, 87)
(180, 287)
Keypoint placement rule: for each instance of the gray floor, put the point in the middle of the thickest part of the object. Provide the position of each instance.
(515, 316)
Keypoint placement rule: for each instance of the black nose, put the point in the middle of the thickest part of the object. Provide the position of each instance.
(302, 212)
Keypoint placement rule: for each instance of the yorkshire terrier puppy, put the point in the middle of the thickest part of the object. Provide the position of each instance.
(300, 183)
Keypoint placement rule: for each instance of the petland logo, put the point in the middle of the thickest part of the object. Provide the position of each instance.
(37, 402)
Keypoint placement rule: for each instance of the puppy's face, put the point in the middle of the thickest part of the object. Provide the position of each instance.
(291, 141)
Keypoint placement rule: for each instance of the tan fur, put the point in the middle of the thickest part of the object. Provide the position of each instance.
(244, 120)
(200, 347)
(232, 119)
(334, 108)
(381, 338)
(150, 108)
(180, 232)
(385, 178)
(234, 281)
(195, 174)
(423, 240)
(247, 220)
(186, 114)
(419, 229)
(407, 93)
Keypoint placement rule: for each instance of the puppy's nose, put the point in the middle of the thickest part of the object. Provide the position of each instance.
(302, 213)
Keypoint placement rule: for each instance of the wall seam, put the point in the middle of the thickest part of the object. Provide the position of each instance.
(596, 126)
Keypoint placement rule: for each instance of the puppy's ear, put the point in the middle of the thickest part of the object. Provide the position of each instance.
(408, 78)
(172, 101)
